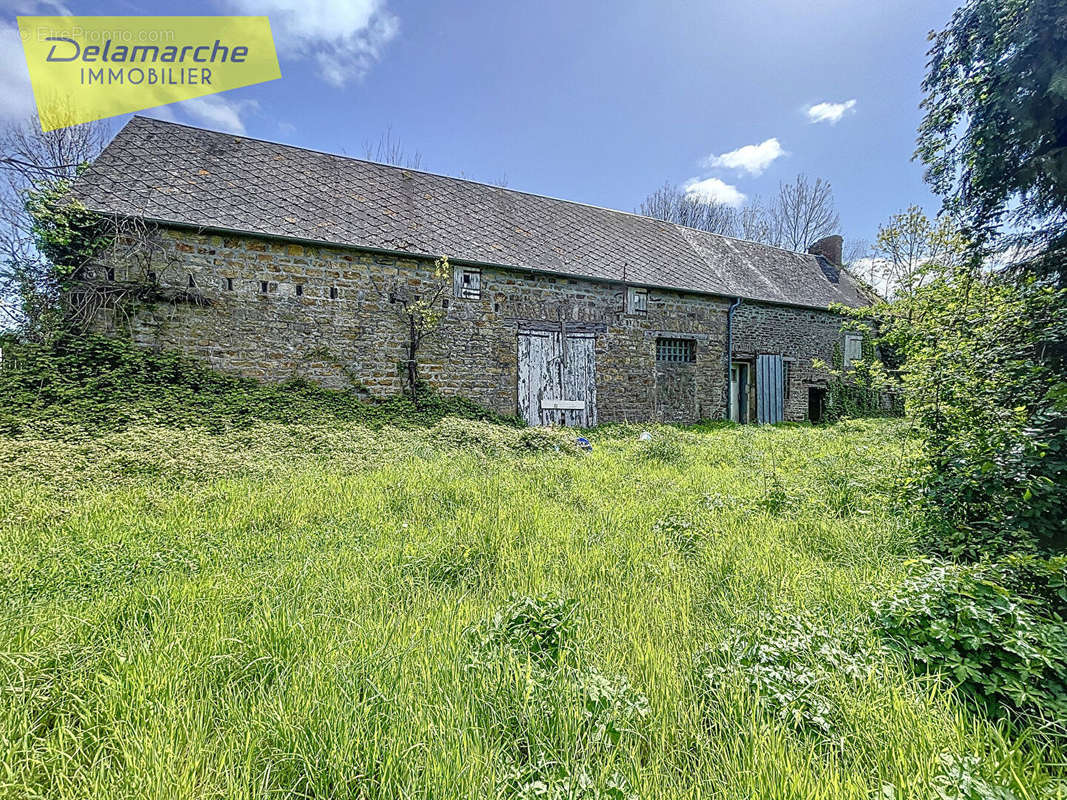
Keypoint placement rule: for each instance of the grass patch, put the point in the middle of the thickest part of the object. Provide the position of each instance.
(468, 610)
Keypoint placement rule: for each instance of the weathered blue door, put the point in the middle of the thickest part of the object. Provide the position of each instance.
(770, 391)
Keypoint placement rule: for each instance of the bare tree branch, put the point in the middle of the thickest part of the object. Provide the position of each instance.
(670, 203)
(31, 158)
(802, 213)
(388, 150)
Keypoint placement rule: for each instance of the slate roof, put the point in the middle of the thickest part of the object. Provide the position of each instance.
(187, 176)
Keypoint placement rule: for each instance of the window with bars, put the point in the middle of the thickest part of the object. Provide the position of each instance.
(675, 351)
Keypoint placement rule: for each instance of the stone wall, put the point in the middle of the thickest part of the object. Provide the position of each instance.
(279, 310)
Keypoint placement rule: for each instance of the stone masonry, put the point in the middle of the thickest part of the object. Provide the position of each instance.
(276, 310)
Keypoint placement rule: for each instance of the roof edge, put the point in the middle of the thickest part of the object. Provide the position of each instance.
(223, 230)
(492, 186)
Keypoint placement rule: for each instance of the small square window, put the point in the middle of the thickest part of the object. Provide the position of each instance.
(468, 283)
(636, 300)
(675, 351)
(853, 349)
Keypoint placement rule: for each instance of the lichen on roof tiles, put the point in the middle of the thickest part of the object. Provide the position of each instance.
(188, 176)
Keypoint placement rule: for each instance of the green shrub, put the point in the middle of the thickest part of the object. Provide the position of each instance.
(484, 437)
(545, 706)
(76, 386)
(792, 665)
(679, 532)
(535, 626)
(987, 629)
(664, 448)
(960, 779)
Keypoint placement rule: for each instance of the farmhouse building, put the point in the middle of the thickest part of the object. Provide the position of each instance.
(558, 311)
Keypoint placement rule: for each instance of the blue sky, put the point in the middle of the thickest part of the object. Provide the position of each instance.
(596, 102)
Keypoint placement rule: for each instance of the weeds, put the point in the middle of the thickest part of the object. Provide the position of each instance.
(456, 609)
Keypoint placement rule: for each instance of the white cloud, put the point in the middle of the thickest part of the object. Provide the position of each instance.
(217, 112)
(712, 190)
(343, 37)
(829, 112)
(752, 158)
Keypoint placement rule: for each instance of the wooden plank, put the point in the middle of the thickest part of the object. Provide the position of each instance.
(770, 389)
(779, 402)
(557, 377)
(525, 383)
(568, 405)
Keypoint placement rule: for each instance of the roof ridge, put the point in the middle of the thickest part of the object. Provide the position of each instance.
(493, 186)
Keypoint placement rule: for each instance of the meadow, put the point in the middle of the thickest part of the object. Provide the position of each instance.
(468, 610)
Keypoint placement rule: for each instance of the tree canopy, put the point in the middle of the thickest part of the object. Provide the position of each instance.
(994, 137)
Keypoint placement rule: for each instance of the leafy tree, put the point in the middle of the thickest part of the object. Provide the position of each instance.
(969, 347)
(985, 348)
(994, 138)
(419, 311)
(912, 249)
(991, 407)
(36, 169)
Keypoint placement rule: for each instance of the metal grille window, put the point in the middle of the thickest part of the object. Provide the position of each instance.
(675, 351)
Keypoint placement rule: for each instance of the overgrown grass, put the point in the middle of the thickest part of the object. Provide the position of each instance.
(469, 610)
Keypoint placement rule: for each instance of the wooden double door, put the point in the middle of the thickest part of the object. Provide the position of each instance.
(557, 378)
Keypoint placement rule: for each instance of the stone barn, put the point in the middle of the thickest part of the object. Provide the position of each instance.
(561, 312)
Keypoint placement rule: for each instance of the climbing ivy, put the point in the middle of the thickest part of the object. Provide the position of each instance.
(77, 384)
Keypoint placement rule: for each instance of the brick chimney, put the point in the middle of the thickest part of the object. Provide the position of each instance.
(829, 247)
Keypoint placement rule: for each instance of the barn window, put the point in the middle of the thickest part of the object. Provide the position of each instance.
(299, 289)
(636, 300)
(675, 351)
(853, 349)
(468, 283)
(263, 287)
(333, 292)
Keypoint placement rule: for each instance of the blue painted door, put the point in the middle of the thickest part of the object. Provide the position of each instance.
(770, 389)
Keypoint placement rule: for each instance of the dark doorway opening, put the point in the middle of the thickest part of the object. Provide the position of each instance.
(816, 404)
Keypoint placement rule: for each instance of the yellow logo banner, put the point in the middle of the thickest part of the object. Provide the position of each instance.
(86, 68)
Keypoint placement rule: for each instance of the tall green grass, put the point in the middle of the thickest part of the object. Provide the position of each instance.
(334, 611)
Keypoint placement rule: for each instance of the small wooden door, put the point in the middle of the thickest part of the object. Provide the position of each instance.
(557, 378)
(770, 389)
